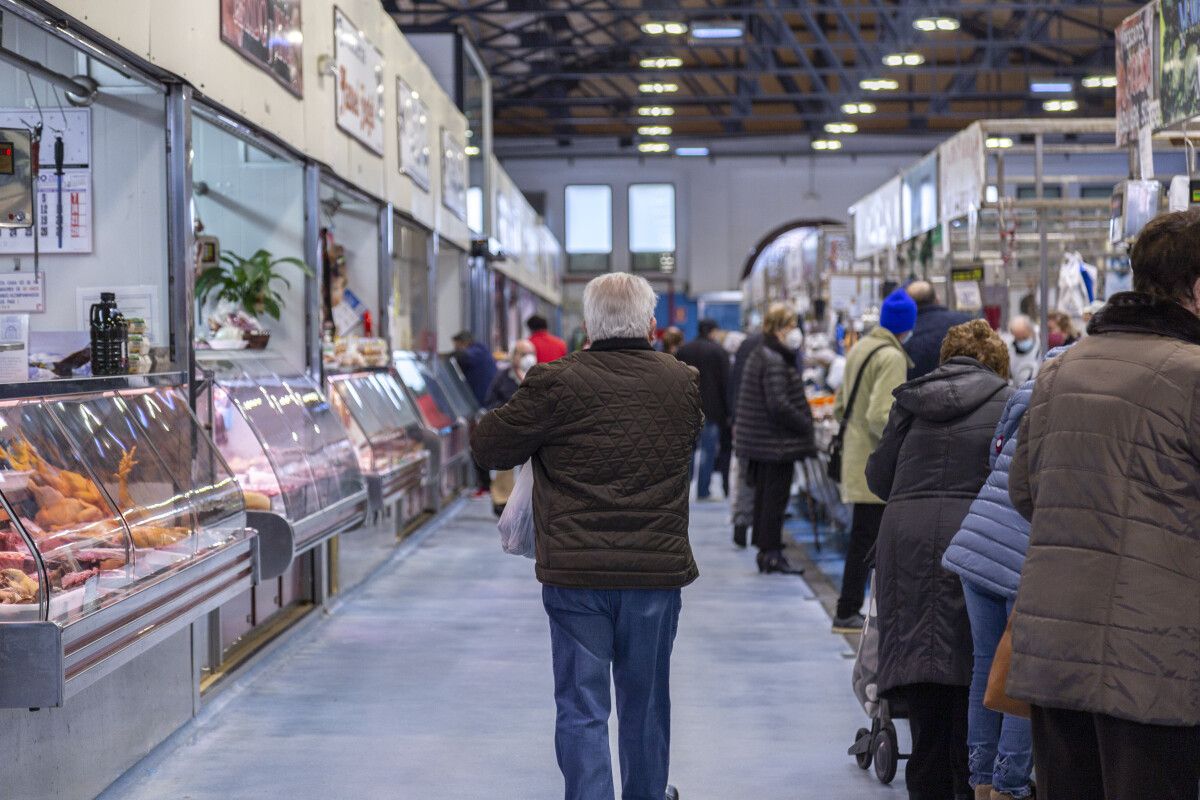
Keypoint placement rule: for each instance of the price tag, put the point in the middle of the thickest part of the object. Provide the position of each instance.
(22, 292)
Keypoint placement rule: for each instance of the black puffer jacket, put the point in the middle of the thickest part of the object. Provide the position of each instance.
(929, 467)
(610, 431)
(774, 422)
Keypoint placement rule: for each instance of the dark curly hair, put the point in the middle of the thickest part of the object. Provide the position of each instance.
(977, 340)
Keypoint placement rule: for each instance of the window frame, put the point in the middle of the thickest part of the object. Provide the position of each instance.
(673, 254)
(587, 263)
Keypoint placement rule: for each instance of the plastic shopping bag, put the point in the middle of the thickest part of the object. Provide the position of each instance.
(516, 523)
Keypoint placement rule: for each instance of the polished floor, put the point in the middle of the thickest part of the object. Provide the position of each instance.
(432, 680)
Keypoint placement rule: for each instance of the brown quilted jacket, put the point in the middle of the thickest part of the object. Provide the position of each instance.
(1107, 468)
(610, 431)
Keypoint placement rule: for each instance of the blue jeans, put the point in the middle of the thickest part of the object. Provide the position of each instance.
(1000, 748)
(708, 445)
(632, 632)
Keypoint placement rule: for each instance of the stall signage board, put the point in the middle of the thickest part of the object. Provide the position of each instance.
(968, 296)
(412, 128)
(359, 84)
(22, 291)
(1137, 79)
(64, 207)
(454, 175)
(919, 198)
(877, 220)
(267, 34)
(1179, 68)
(962, 172)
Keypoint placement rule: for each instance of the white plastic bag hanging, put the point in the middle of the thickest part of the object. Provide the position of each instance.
(516, 523)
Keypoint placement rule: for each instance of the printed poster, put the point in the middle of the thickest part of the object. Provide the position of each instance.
(267, 34)
(359, 92)
(1137, 77)
(454, 175)
(1179, 72)
(412, 127)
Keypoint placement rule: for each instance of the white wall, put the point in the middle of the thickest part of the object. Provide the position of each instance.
(722, 207)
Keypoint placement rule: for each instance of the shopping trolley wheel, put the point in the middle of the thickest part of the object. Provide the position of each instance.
(887, 754)
(862, 748)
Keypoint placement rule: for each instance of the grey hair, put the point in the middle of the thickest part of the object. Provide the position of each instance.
(618, 306)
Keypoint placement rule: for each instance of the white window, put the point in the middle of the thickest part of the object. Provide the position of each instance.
(589, 227)
(652, 227)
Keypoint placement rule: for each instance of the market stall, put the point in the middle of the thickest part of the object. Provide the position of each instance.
(444, 431)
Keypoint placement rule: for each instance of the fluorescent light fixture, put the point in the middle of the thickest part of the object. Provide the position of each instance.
(1060, 105)
(841, 127)
(654, 147)
(999, 142)
(691, 151)
(858, 108)
(665, 62)
(879, 85)
(826, 144)
(664, 28)
(471, 150)
(1100, 82)
(1051, 87)
(718, 29)
(929, 24)
(903, 60)
(658, 88)
(654, 130)
(655, 111)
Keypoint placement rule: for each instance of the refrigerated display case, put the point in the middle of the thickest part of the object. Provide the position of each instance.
(386, 432)
(446, 431)
(451, 376)
(120, 525)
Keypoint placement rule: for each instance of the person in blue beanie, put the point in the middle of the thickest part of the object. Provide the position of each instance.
(875, 367)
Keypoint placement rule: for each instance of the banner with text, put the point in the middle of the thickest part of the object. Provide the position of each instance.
(359, 83)
(1137, 75)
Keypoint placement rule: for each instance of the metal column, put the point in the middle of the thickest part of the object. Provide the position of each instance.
(387, 272)
(313, 283)
(180, 232)
(1043, 243)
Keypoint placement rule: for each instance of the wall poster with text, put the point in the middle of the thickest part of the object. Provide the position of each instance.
(1137, 75)
(412, 128)
(359, 82)
(267, 33)
(454, 175)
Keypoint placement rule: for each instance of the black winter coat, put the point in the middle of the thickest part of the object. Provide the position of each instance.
(712, 362)
(929, 467)
(774, 422)
(924, 347)
(744, 351)
(503, 387)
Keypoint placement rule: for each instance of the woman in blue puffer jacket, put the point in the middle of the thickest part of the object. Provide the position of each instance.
(987, 553)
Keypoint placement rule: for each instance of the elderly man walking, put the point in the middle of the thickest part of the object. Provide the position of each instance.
(610, 432)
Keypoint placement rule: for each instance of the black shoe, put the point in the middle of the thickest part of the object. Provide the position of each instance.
(497, 509)
(769, 562)
(672, 792)
(850, 624)
(739, 536)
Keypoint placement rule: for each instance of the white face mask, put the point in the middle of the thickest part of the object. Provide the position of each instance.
(794, 339)
(526, 363)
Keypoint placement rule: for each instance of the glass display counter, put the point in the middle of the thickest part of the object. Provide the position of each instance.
(451, 376)
(386, 432)
(120, 524)
(448, 432)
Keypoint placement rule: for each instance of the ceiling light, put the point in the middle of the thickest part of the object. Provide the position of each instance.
(655, 111)
(658, 88)
(858, 108)
(826, 144)
(1051, 87)
(654, 130)
(841, 127)
(654, 147)
(903, 59)
(471, 150)
(1060, 105)
(1100, 82)
(999, 143)
(691, 151)
(718, 29)
(666, 62)
(928, 24)
(664, 28)
(879, 85)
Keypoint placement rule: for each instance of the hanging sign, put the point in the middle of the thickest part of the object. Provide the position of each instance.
(1137, 78)
(877, 220)
(1179, 68)
(22, 291)
(267, 34)
(412, 128)
(63, 189)
(359, 92)
(968, 296)
(962, 171)
(454, 175)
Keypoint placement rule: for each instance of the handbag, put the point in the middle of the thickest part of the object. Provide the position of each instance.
(517, 531)
(834, 462)
(996, 696)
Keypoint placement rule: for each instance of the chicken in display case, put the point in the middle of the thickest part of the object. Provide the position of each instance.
(119, 525)
(386, 433)
(452, 449)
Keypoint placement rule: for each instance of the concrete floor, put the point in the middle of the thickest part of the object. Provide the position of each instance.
(433, 681)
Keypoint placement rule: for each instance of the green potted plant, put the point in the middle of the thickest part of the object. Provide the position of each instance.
(249, 285)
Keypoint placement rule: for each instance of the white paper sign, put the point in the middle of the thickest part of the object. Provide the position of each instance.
(454, 175)
(359, 92)
(967, 296)
(64, 202)
(412, 128)
(1146, 152)
(132, 301)
(14, 363)
(22, 291)
(962, 172)
(877, 220)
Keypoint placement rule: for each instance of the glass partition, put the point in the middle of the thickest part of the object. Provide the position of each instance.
(432, 403)
(450, 375)
(380, 419)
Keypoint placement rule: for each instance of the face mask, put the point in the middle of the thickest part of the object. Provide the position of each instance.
(1057, 339)
(794, 339)
(526, 363)
(1023, 346)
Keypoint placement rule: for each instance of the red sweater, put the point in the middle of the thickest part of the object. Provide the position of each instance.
(547, 346)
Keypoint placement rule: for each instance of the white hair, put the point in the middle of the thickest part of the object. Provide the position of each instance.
(618, 306)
